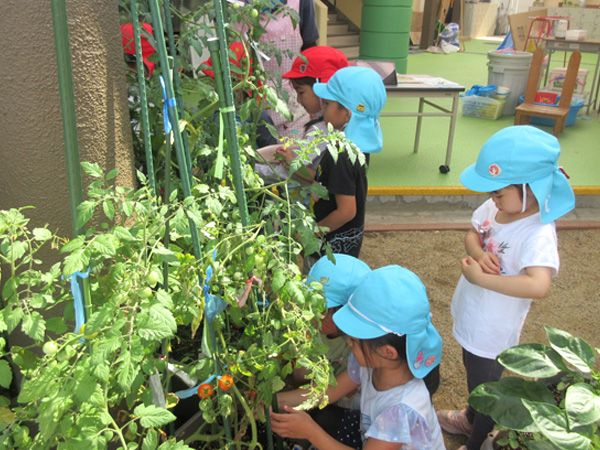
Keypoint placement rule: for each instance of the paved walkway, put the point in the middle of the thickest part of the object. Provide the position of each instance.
(386, 213)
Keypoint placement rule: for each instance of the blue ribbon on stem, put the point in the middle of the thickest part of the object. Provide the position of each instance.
(167, 102)
(77, 300)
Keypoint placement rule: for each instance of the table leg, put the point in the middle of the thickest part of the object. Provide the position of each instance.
(594, 94)
(446, 167)
(419, 117)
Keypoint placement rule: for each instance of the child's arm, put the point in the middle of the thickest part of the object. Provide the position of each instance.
(299, 425)
(488, 261)
(345, 385)
(289, 155)
(535, 283)
(344, 213)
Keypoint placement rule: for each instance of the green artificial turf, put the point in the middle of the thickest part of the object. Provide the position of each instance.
(398, 166)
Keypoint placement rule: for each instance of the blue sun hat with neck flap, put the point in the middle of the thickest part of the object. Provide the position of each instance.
(393, 299)
(339, 279)
(523, 154)
(361, 90)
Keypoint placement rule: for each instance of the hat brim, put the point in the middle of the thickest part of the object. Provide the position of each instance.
(472, 180)
(355, 326)
(321, 90)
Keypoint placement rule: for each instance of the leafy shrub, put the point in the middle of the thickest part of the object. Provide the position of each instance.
(569, 421)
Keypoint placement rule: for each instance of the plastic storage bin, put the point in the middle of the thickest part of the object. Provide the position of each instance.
(557, 79)
(483, 107)
(576, 105)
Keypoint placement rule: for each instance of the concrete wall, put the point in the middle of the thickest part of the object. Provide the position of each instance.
(32, 153)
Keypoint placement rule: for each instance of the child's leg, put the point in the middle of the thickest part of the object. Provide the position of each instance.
(341, 423)
(479, 370)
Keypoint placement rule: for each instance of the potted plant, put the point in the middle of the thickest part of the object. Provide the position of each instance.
(559, 408)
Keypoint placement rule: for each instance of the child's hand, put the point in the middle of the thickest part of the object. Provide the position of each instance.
(293, 423)
(489, 263)
(286, 153)
(471, 270)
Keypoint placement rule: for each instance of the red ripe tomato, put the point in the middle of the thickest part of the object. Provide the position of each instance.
(225, 382)
(205, 390)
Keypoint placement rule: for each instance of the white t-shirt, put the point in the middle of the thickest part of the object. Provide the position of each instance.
(486, 322)
(401, 414)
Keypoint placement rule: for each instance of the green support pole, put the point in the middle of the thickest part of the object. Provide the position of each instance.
(176, 79)
(185, 169)
(67, 107)
(145, 122)
(69, 118)
(228, 108)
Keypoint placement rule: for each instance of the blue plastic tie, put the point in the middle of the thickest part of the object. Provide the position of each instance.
(77, 300)
(167, 102)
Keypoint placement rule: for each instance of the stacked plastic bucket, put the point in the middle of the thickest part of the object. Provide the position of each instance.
(509, 68)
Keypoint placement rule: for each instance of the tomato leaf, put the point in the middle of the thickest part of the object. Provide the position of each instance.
(152, 416)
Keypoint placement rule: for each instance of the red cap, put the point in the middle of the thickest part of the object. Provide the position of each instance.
(323, 62)
(240, 55)
(129, 46)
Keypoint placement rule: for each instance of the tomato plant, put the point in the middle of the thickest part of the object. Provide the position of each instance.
(162, 305)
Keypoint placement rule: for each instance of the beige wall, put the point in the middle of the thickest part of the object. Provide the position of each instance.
(352, 9)
(32, 154)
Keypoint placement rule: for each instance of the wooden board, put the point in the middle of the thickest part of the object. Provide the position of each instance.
(519, 26)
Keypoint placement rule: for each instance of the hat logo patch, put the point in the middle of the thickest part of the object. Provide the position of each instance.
(494, 170)
(360, 107)
(303, 67)
(430, 361)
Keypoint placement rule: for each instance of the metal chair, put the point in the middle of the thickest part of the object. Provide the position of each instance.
(559, 113)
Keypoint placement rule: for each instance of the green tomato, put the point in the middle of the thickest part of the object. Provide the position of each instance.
(145, 293)
(50, 348)
(249, 251)
(66, 353)
(259, 262)
(253, 13)
(152, 278)
(237, 276)
(235, 5)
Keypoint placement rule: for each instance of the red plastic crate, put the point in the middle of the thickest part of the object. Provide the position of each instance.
(546, 98)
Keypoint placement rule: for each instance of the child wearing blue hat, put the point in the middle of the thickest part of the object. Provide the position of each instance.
(512, 256)
(352, 101)
(340, 279)
(394, 345)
